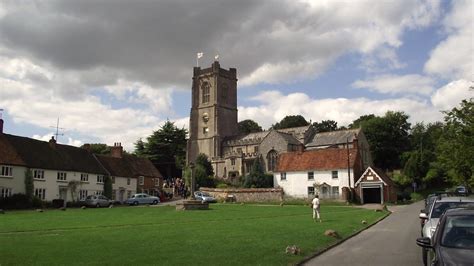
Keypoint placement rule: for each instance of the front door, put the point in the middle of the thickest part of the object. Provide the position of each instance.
(63, 194)
(121, 195)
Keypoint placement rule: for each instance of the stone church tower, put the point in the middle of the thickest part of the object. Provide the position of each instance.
(213, 111)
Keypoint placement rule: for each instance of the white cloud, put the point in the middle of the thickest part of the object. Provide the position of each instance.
(341, 110)
(452, 58)
(392, 84)
(450, 95)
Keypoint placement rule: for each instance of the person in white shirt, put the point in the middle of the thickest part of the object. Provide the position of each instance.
(315, 204)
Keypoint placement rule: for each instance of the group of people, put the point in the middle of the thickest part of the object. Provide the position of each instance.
(178, 186)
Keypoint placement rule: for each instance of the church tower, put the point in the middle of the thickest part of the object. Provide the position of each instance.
(213, 111)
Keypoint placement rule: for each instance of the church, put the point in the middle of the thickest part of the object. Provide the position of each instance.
(213, 130)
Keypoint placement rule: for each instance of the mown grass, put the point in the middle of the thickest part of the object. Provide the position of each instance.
(228, 234)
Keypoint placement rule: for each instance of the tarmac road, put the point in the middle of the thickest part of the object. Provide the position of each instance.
(390, 242)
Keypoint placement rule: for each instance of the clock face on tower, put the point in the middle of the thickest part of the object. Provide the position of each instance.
(205, 117)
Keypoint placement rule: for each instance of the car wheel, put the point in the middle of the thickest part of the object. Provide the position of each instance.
(155, 202)
(424, 255)
(135, 203)
(97, 205)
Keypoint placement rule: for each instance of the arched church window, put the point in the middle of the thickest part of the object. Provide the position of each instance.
(272, 158)
(205, 88)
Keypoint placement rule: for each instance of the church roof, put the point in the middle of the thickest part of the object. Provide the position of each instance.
(324, 159)
(255, 137)
(297, 132)
(327, 139)
(289, 138)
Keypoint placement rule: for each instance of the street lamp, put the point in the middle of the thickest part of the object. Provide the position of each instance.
(193, 181)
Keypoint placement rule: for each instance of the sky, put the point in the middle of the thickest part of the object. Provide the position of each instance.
(115, 71)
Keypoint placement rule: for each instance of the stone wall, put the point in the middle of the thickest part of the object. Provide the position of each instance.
(246, 194)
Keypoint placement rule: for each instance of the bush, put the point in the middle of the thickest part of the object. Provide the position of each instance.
(16, 201)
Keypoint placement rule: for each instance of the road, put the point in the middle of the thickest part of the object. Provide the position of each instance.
(390, 242)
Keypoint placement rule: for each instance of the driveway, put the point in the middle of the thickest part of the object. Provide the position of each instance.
(390, 242)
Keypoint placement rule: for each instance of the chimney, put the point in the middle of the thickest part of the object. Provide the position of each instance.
(117, 150)
(52, 143)
(87, 147)
(1, 125)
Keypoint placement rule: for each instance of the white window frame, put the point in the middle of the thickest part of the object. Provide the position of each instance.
(141, 180)
(5, 192)
(311, 194)
(83, 194)
(335, 190)
(157, 182)
(38, 174)
(62, 176)
(310, 175)
(100, 179)
(283, 176)
(335, 174)
(85, 177)
(40, 193)
(6, 171)
(99, 192)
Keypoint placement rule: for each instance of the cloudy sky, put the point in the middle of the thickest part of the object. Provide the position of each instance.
(114, 71)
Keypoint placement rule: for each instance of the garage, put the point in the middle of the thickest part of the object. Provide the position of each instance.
(372, 195)
(374, 186)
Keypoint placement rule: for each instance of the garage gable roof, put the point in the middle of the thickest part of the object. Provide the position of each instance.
(378, 173)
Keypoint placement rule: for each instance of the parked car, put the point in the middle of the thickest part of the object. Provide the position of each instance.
(437, 209)
(204, 197)
(142, 198)
(97, 201)
(461, 191)
(453, 240)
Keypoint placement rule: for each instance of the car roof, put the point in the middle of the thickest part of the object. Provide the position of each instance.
(460, 211)
(455, 199)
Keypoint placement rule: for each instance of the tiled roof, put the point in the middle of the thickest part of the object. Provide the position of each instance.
(333, 137)
(289, 138)
(33, 153)
(129, 166)
(323, 159)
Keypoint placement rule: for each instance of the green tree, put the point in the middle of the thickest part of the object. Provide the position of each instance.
(203, 172)
(140, 148)
(325, 126)
(291, 121)
(257, 177)
(456, 145)
(357, 123)
(387, 136)
(166, 149)
(108, 187)
(29, 184)
(203, 160)
(249, 126)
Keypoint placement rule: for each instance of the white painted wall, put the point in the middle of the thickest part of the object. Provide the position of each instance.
(121, 184)
(297, 183)
(16, 182)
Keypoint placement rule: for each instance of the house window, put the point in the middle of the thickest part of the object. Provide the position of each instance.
(141, 180)
(82, 194)
(232, 161)
(283, 176)
(335, 191)
(272, 160)
(99, 192)
(205, 130)
(205, 92)
(310, 192)
(113, 179)
(5, 192)
(40, 193)
(255, 149)
(157, 182)
(129, 194)
(6, 171)
(62, 176)
(85, 177)
(100, 179)
(239, 150)
(334, 174)
(128, 181)
(38, 174)
(310, 175)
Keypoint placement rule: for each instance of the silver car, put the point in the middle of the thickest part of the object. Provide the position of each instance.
(437, 209)
(142, 198)
(204, 197)
(97, 201)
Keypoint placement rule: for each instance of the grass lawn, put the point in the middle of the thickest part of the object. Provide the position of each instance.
(228, 234)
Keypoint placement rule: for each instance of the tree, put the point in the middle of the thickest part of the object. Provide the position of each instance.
(98, 148)
(203, 172)
(325, 126)
(203, 160)
(257, 177)
(166, 149)
(291, 121)
(249, 126)
(357, 123)
(29, 184)
(387, 136)
(108, 187)
(456, 145)
(140, 150)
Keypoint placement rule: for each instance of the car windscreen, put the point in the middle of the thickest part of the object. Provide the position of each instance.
(440, 207)
(459, 232)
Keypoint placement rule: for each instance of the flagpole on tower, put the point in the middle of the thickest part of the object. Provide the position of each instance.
(198, 55)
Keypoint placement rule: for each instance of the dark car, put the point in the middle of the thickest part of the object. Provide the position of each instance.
(453, 240)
